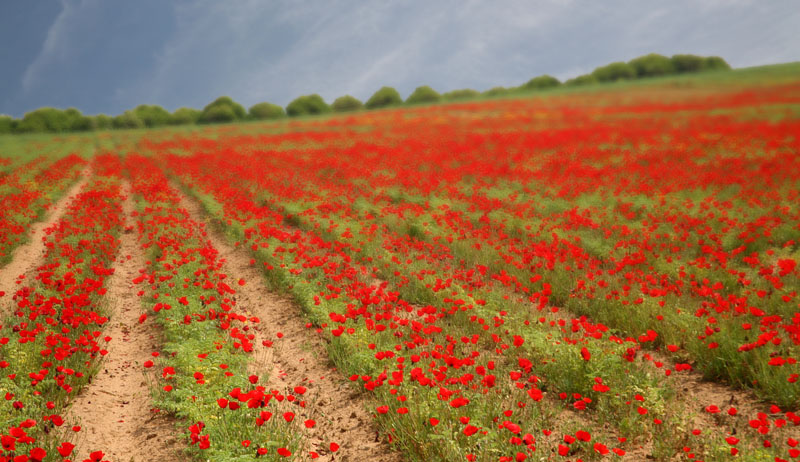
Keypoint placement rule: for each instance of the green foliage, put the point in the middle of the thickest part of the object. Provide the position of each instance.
(101, 122)
(347, 103)
(688, 63)
(585, 79)
(127, 119)
(307, 105)
(75, 121)
(541, 82)
(48, 119)
(184, 116)
(225, 109)
(39, 120)
(652, 65)
(384, 97)
(218, 114)
(424, 94)
(6, 124)
(222, 109)
(614, 71)
(715, 63)
(264, 111)
(497, 91)
(152, 115)
(464, 93)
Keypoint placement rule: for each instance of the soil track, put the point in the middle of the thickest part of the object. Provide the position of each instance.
(299, 358)
(28, 256)
(695, 394)
(115, 409)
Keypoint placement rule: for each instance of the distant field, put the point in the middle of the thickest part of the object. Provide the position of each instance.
(604, 272)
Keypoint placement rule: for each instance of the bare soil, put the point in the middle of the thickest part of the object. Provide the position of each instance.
(695, 394)
(27, 257)
(115, 409)
(298, 358)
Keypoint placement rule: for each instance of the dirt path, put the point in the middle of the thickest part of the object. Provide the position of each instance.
(695, 395)
(115, 408)
(299, 358)
(26, 257)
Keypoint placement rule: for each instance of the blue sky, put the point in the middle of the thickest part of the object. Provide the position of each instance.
(106, 56)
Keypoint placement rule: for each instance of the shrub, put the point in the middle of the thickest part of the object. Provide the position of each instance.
(222, 109)
(540, 83)
(48, 119)
(688, 63)
(39, 120)
(497, 91)
(127, 119)
(152, 115)
(263, 111)
(75, 121)
(184, 116)
(652, 65)
(715, 63)
(464, 93)
(307, 105)
(346, 103)
(614, 71)
(384, 97)
(6, 124)
(423, 94)
(585, 79)
(101, 122)
(217, 115)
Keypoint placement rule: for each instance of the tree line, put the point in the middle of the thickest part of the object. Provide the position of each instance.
(224, 109)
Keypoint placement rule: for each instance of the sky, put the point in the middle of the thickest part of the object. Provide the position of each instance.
(107, 56)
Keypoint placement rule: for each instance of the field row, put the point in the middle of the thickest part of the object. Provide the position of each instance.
(554, 279)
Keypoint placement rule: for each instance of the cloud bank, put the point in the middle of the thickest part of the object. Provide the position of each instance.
(187, 53)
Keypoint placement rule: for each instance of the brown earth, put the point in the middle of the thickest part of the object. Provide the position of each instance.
(27, 257)
(300, 358)
(115, 409)
(694, 394)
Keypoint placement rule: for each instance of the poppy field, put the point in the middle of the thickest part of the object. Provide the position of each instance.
(609, 274)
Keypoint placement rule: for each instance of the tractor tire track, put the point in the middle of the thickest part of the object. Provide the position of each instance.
(298, 357)
(28, 256)
(115, 409)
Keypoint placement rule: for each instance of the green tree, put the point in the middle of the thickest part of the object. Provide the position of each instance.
(715, 63)
(688, 63)
(263, 111)
(585, 79)
(152, 115)
(346, 103)
(48, 119)
(423, 94)
(614, 71)
(6, 124)
(307, 105)
(184, 116)
(464, 93)
(384, 97)
(540, 83)
(101, 122)
(652, 65)
(497, 91)
(222, 109)
(127, 119)
(76, 121)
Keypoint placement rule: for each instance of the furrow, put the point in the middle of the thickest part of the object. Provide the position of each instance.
(298, 358)
(115, 409)
(28, 256)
